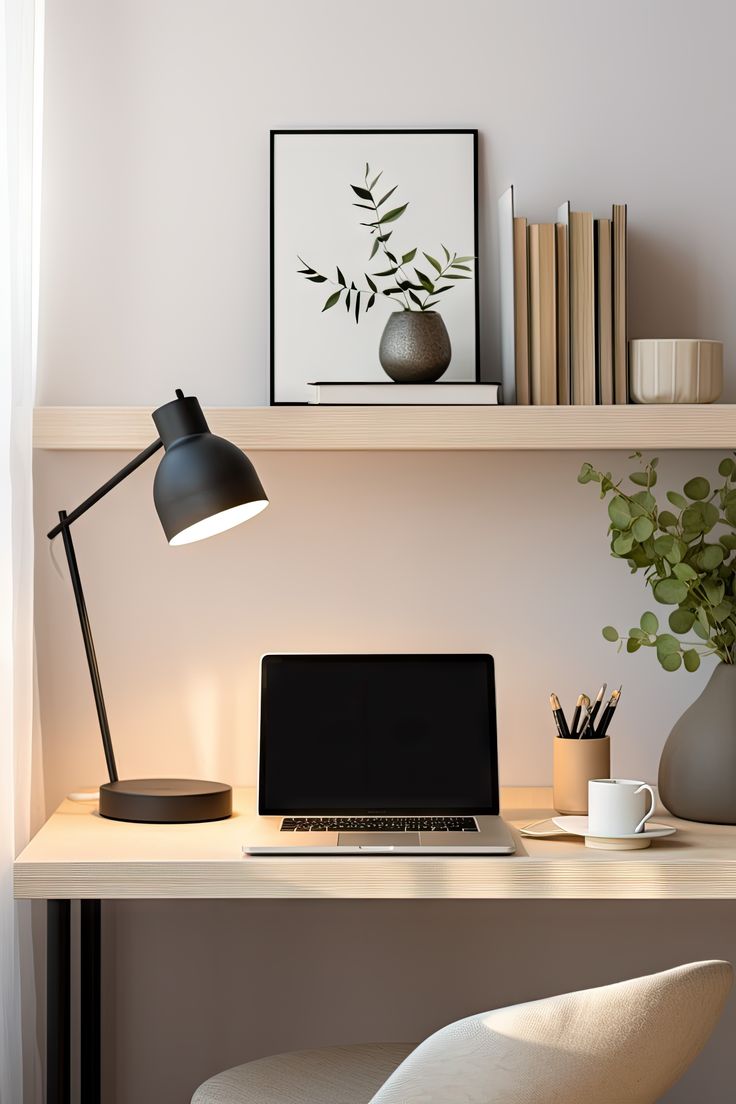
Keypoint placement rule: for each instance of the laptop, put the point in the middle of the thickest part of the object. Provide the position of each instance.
(378, 754)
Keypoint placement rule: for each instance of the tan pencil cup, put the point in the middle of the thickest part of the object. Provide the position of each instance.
(575, 763)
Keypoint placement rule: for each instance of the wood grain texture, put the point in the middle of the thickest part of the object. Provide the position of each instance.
(78, 855)
(406, 428)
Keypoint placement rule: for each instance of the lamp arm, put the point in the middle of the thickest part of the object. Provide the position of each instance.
(106, 487)
(64, 527)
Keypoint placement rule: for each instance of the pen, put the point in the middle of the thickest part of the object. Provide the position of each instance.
(582, 700)
(587, 731)
(608, 712)
(562, 730)
(598, 702)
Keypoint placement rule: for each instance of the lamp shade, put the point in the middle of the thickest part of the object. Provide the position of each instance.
(204, 484)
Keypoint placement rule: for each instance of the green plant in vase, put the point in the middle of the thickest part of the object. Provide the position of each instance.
(686, 552)
(410, 350)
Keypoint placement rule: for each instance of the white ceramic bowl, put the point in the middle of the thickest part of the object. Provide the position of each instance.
(675, 370)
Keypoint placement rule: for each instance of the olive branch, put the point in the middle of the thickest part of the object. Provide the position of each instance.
(413, 292)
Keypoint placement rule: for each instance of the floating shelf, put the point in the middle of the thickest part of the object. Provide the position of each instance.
(406, 428)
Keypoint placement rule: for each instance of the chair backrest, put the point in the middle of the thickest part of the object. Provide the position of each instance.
(625, 1042)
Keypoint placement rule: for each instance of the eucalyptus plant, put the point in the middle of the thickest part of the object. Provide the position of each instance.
(411, 288)
(687, 556)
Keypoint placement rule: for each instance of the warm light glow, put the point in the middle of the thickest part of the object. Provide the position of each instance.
(218, 523)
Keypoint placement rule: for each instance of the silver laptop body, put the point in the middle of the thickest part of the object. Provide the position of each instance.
(368, 754)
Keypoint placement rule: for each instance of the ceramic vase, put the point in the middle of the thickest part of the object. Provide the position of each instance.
(415, 347)
(675, 370)
(697, 771)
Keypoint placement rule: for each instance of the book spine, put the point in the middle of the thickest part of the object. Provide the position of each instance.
(521, 313)
(563, 315)
(542, 314)
(604, 311)
(620, 304)
(582, 308)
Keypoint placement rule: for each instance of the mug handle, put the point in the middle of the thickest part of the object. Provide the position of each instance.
(650, 814)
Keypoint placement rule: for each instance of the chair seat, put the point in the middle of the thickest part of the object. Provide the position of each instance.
(331, 1075)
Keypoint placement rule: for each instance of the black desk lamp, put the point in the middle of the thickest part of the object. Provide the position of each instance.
(203, 485)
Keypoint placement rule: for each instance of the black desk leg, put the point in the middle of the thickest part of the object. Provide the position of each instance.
(90, 975)
(58, 994)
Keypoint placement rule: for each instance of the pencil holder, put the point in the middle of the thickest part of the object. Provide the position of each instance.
(575, 763)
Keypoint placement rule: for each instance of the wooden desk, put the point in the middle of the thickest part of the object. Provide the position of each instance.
(78, 855)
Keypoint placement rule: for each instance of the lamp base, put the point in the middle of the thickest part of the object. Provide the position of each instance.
(165, 801)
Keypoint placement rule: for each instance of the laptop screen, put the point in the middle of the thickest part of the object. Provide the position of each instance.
(378, 734)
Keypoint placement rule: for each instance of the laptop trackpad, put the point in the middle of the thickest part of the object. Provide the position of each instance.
(378, 839)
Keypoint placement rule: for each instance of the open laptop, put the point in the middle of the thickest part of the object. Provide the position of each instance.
(378, 754)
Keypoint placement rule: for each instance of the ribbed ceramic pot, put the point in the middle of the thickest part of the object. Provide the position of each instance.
(697, 771)
(415, 347)
(675, 370)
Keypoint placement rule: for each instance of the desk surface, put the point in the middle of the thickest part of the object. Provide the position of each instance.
(77, 854)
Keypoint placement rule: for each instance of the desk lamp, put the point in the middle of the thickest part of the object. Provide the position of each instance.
(203, 485)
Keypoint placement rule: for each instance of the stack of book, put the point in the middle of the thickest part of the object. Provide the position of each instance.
(563, 307)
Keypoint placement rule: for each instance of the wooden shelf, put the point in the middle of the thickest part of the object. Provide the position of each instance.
(406, 428)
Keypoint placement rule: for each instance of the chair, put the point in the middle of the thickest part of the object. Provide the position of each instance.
(620, 1044)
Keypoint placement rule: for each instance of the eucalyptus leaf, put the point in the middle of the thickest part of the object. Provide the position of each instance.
(666, 519)
(711, 556)
(641, 479)
(671, 662)
(697, 488)
(691, 659)
(642, 528)
(677, 499)
(632, 645)
(726, 467)
(684, 572)
(649, 623)
(619, 512)
(667, 644)
(623, 544)
(714, 590)
(670, 592)
(681, 620)
(610, 634)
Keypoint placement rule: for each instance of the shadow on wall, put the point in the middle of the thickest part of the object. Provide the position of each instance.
(663, 282)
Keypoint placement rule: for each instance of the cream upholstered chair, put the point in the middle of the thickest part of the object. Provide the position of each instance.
(620, 1044)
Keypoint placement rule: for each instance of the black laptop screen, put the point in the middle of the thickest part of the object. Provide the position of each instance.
(378, 733)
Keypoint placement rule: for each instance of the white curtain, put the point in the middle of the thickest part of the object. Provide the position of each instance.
(21, 39)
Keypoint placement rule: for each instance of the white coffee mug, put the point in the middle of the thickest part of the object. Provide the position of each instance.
(618, 806)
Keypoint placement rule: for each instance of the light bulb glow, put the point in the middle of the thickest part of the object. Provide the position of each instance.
(219, 523)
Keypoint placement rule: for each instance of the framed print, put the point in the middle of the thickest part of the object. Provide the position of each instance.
(366, 223)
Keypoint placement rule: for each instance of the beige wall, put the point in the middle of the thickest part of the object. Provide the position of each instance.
(155, 275)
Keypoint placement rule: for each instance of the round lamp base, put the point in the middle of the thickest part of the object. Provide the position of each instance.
(165, 801)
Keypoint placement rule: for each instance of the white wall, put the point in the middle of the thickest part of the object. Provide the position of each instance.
(155, 275)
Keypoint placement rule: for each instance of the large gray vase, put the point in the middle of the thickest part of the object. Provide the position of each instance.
(415, 347)
(697, 771)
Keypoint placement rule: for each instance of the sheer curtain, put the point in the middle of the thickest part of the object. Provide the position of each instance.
(21, 38)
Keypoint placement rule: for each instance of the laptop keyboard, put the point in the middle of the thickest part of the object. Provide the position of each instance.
(379, 824)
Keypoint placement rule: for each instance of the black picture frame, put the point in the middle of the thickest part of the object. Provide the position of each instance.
(276, 133)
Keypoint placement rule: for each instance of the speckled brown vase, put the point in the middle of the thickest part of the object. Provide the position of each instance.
(415, 347)
(697, 771)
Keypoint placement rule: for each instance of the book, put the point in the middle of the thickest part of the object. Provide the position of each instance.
(620, 305)
(456, 393)
(580, 246)
(506, 275)
(604, 310)
(542, 314)
(521, 313)
(563, 316)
